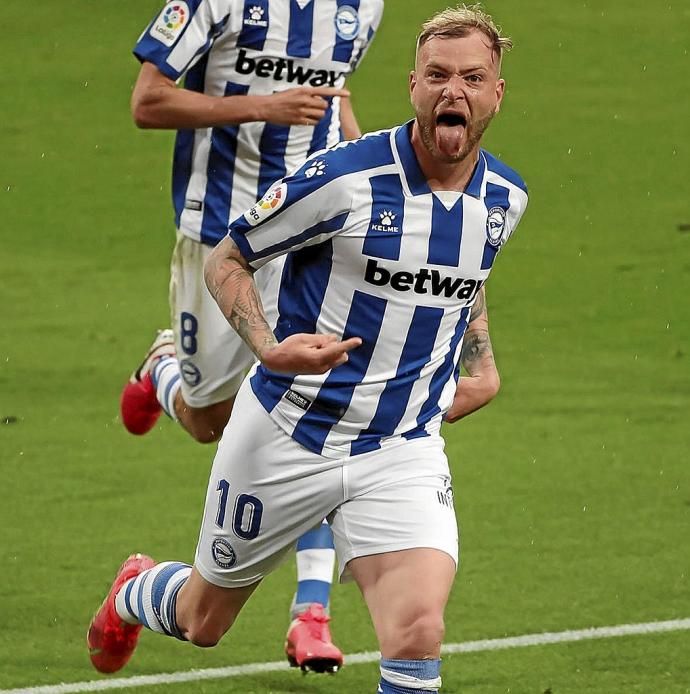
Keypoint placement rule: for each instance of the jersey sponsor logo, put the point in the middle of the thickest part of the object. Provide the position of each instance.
(284, 70)
(170, 22)
(387, 218)
(271, 202)
(424, 281)
(255, 17)
(347, 23)
(223, 553)
(317, 168)
(496, 226)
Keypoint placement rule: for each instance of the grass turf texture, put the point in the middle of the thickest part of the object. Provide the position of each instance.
(573, 488)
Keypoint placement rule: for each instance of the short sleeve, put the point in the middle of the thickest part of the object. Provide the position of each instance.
(303, 209)
(372, 25)
(181, 33)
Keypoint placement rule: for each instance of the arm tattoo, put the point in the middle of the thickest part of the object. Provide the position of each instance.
(238, 298)
(476, 351)
(479, 306)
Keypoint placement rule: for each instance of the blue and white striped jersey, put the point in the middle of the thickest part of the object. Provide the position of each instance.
(373, 253)
(229, 47)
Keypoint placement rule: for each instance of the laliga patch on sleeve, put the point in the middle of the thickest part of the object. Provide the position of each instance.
(270, 203)
(170, 22)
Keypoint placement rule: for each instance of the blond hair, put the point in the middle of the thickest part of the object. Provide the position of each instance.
(460, 21)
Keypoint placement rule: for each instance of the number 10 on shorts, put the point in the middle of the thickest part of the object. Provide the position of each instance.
(246, 514)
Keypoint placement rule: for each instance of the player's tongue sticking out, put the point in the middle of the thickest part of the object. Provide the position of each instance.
(450, 133)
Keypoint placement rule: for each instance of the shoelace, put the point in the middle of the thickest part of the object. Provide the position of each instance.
(317, 623)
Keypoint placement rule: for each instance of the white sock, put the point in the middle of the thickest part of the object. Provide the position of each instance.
(166, 379)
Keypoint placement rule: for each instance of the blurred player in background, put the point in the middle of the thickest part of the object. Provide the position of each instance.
(389, 241)
(263, 89)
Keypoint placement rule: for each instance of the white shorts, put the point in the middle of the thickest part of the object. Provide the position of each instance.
(266, 490)
(213, 358)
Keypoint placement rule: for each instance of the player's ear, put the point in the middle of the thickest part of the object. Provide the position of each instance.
(500, 91)
(413, 80)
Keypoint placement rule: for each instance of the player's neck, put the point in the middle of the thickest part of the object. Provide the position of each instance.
(443, 175)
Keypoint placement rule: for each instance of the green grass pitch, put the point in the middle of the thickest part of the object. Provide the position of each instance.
(573, 487)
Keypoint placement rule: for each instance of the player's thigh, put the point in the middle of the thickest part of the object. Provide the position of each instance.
(265, 491)
(213, 359)
(400, 497)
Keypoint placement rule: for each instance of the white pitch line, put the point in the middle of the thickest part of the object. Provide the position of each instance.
(354, 658)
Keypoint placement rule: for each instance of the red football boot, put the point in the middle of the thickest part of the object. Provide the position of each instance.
(309, 645)
(139, 406)
(111, 641)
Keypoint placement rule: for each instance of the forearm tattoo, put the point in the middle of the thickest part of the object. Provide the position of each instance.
(238, 298)
(476, 351)
(479, 306)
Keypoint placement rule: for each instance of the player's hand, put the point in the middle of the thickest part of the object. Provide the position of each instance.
(298, 106)
(304, 353)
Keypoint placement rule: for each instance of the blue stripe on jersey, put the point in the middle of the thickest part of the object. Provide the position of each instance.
(416, 433)
(416, 180)
(301, 29)
(318, 538)
(364, 320)
(268, 392)
(303, 286)
(387, 212)
(184, 143)
(503, 170)
(446, 233)
(319, 140)
(255, 21)
(496, 196)
(474, 187)
(342, 50)
(274, 139)
(306, 274)
(220, 172)
(430, 408)
(419, 343)
(328, 226)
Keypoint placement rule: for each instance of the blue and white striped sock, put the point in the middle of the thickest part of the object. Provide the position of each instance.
(409, 676)
(151, 597)
(315, 560)
(166, 380)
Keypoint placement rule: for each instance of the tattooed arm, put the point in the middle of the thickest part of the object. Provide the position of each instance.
(482, 382)
(230, 280)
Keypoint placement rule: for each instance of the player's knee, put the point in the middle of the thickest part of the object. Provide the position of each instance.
(202, 427)
(204, 424)
(420, 637)
(205, 433)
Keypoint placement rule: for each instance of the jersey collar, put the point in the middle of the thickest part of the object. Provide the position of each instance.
(413, 180)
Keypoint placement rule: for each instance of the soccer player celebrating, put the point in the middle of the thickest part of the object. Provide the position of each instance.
(389, 240)
(263, 89)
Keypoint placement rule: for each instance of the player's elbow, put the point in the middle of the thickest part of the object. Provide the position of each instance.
(142, 113)
(493, 385)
